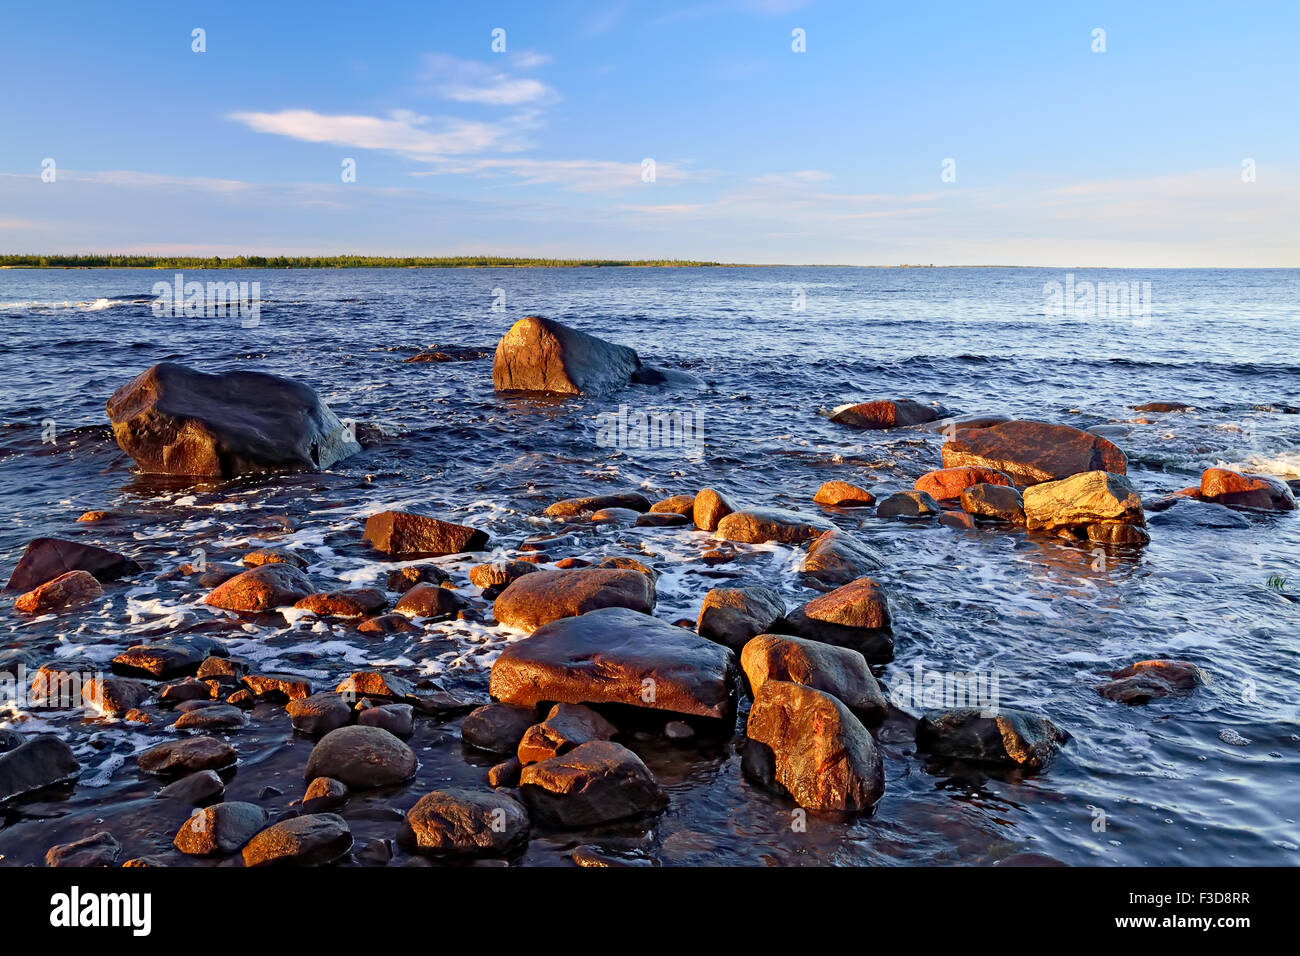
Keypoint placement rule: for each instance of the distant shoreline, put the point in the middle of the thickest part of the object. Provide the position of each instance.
(109, 261)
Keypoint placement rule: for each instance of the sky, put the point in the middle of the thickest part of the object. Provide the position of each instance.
(920, 133)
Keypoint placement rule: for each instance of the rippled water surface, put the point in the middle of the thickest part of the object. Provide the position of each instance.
(1205, 779)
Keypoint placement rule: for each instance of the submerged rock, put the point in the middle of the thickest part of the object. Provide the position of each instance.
(885, 413)
(545, 596)
(836, 558)
(47, 558)
(540, 355)
(947, 484)
(1032, 452)
(571, 507)
(618, 656)
(175, 421)
(807, 744)
(461, 822)
(263, 588)
(1191, 514)
(403, 534)
(595, 783)
(759, 525)
(1011, 737)
(1256, 492)
(732, 616)
(839, 671)
(1146, 681)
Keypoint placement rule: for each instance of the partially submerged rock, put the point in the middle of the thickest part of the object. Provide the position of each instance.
(187, 755)
(1082, 500)
(361, 757)
(537, 599)
(571, 507)
(599, 782)
(353, 602)
(806, 743)
(37, 762)
(462, 822)
(497, 728)
(263, 588)
(907, 504)
(403, 534)
(1032, 452)
(836, 558)
(841, 494)
(617, 656)
(430, 601)
(731, 616)
(994, 503)
(759, 525)
(947, 484)
(47, 558)
(1255, 492)
(1145, 681)
(67, 590)
(839, 671)
(98, 849)
(567, 726)
(1011, 737)
(885, 413)
(540, 355)
(175, 421)
(221, 829)
(708, 508)
(313, 839)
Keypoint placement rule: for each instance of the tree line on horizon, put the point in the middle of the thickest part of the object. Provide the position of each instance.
(110, 261)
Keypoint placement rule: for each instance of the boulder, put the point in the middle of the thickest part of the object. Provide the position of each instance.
(947, 484)
(571, 507)
(497, 728)
(708, 508)
(841, 494)
(67, 590)
(1009, 737)
(858, 604)
(885, 413)
(114, 696)
(1032, 452)
(593, 784)
(37, 762)
(617, 656)
(806, 743)
(1256, 492)
(539, 355)
(175, 421)
(1088, 498)
(220, 829)
(47, 558)
(263, 588)
(731, 616)
(676, 504)
(460, 822)
(565, 727)
(98, 849)
(839, 671)
(313, 839)
(836, 558)
(397, 719)
(907, 504)
(1146, 681)
(361, 757)
(402, 580)
(499, 574)
(355, 602)
(407, 535)
(195, 789)
(319, 713)
(431, 601)
(169, 656)
(187, 755)
(545, 596)
(995, 502)
(759, 525)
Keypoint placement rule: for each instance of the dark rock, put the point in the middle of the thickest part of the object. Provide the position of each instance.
(324, 794)
(731, 616)
(1010, 737)
(615, 655)
(539, 355)
(386, 624)
(1032, 452)
(994, 502)
(907, 504)
(361, 757)
(497, 728)
(499, 573)
(595, 783)
(571, 507)
(565, 727)
(195, 789)
(187, 755)
(114, 696)
(506, 773)
(1163, 407)
(188, 689)
(656, 519)
(537, 599)
(403, 579)
(1190, 514)
(176, 421)
(313, 839)
(169, 657)
(99, 849)
(39, 761)
(397, 719)
(220, 829)
(1146, 681)
(835, 559)
(47, 558)
(460, 822)
(403, 534)
(215, 717)
(885, 413)
(806, 743)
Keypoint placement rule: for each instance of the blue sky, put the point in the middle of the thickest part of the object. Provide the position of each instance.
(1062, 155)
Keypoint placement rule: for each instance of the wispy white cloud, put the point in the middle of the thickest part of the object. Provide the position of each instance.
(469, 81)
(576, 175)
(402, 132)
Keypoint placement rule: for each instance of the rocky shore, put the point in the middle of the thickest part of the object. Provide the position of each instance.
(556, 739)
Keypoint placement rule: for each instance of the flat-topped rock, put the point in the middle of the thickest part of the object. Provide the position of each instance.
(187, 755)
(1089, 498)
(570, 507)
(1145, 681)
(907, 504)
(618, 656)
(541, 355)
(1032, 452)
(173, 420)
(403, 534)
(759, 525)
(545, 596)
(839, 671)
(1011, 737)
(994, 502)
(595, 783)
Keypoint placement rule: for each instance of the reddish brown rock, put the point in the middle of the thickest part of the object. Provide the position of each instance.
(1032, 452)
(838, 671)
(677, 505)
(114, 696)
(836, 558)
(618, 656)
(255, 559)
(732, 616)
(843, 495)
(885, 413)
(995, 502)
(947, 484)
(1146, 681)
(1257, 492)
(356, 602)
(461, 822)
(320, 713)
(403, 534)
(430, 601)
(278, 686)
(313, 839)
(540, 355)
(47, 558)
(571, 507)
(386, 624)
(187, 755)
(537, 599)
(595, 783)
(807, 744)
(402, 580)
(759, 525)
(219, 830)
(263, 588)
(565, 727)
(67, 590)
(1008, 737)
(710, 507)
(859, 603)
(498, 574)
(375, 684)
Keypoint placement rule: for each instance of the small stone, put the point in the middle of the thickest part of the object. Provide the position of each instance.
(595, 783)
(431, 601)
(195, 789)
(361, 757)
(397, 719)
(220, 829)
(217, 717)
(320, 713)
(907, 504)
(403, 579)
(497, 728)
(313, 839)
(461, 822)
(187, 756)
(506, 773)
(98, 849)
(841, 494)
(324, 794)
(566, 726)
